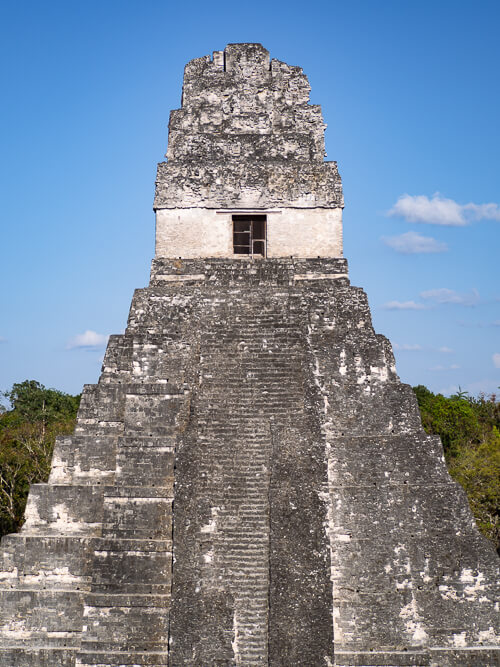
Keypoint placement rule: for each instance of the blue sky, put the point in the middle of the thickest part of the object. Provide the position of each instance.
(411, 97)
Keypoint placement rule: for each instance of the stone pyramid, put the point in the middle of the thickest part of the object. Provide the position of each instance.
(248, 483)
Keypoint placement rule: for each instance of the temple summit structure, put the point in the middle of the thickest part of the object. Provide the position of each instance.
(249, 482)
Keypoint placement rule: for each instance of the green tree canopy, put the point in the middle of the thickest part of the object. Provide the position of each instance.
(469, 428)
(32, 402)
(27, 435)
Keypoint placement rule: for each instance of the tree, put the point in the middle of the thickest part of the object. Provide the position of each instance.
(477, 469)
(469, 428)
(32, 402)
(27, 436)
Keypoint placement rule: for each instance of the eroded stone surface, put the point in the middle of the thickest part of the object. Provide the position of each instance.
(247, 138)
(248, 483)
(247, 123)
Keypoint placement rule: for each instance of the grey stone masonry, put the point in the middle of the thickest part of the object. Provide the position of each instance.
(246, 126)
(248, 483)
(313, 519)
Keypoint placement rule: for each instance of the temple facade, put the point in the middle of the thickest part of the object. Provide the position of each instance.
(249, 482)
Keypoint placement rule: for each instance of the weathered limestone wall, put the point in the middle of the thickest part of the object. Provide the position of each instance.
(256, 185)
(198, 232)
(249, 482)
(313, 520)
(246, 137)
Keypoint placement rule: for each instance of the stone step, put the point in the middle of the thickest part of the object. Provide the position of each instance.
(122, 658)
(83, 460)
(137, 517)
(42, 611)
(37, 655)
(133, 570)
(64, 509)
(43, 562)
(121, 628)
(384, 659)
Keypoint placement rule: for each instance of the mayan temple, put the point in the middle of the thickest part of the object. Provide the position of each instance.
(249, 482)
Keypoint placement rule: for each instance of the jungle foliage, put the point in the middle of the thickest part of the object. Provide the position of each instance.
(469, 428)
(27, 435)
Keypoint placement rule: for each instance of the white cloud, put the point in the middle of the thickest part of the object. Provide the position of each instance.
(412, 243)
(406, 346)
(403, 305)
(482, 211)
(445, 350)
(453, 367)
(439, 210)
(496, 360)
(445, 295)
(88, 339)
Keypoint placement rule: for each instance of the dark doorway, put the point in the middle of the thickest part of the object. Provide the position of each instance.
(249, 235)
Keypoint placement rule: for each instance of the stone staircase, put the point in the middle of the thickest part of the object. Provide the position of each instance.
(251, 377)
(248, 482)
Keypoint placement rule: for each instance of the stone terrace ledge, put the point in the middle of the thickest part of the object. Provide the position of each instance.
(280, 271)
